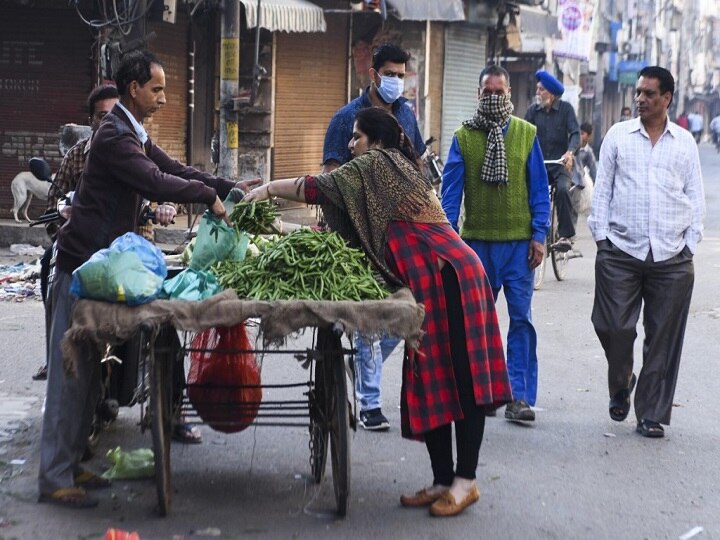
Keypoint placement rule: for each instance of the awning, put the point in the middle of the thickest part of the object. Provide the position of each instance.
(428, 10)
(537, 22)
(285, 15)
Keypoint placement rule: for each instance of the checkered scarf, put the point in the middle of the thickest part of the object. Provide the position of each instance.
(491, 116)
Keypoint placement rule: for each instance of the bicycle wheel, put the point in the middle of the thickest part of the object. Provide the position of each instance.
(559, 258)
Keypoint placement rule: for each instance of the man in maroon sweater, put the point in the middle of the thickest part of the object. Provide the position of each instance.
(123, 167)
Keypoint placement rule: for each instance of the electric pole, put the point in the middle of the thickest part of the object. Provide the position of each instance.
(229, 76)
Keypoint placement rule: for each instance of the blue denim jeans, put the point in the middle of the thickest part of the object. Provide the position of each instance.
(368, 368)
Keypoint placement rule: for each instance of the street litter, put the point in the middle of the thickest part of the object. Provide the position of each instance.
(17, 462)
(691, 533)
(20, 281)
(27, 249)
(210, 531)
(130, 465)
(609, 435)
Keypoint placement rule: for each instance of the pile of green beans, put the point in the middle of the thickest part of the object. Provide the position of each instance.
(304, 265)
(254, 217)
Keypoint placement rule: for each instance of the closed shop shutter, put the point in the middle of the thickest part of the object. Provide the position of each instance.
(311, 84)
(168, 127)
(46, 73)
(464, 59)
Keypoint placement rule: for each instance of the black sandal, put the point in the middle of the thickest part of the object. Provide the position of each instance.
(620, 403)
(648, 428)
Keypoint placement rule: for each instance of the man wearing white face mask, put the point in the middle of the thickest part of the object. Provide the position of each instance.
(387, 76)
(495, 161)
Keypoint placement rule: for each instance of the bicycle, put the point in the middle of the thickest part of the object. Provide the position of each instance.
(558, 258)
(433, 166)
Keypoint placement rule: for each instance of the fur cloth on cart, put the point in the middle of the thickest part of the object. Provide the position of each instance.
(98, 323)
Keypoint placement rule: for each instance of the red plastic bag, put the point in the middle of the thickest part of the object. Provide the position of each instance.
(216, 379)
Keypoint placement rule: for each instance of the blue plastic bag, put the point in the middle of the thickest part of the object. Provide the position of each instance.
(191, 285)
(131, 271)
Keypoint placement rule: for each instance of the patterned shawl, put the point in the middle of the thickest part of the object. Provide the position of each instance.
(369, 192)
(491, 116)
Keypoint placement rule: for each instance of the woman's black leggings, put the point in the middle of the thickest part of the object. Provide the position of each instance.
(469, 430)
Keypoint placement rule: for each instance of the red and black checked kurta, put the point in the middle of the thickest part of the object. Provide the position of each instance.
(429, 396)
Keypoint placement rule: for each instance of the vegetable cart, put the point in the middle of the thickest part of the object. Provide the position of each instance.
(325, 409)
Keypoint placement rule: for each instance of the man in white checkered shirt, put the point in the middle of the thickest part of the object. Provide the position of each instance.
(647, 220)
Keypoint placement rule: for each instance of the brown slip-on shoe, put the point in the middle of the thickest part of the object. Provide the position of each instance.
(421, 498)
(446, 506)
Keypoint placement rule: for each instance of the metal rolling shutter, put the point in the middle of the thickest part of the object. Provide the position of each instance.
(311, 84)
(46, 73)
(464, 59)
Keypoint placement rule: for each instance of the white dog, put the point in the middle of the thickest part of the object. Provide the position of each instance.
(23, 187)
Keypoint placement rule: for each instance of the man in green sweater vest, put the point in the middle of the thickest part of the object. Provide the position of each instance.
(495, 163)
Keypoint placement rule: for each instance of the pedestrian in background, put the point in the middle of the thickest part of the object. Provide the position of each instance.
(682, 121)
(585, 157)
(625, 114)
(647, 219)
(387, 76)
(559, 135)
(715, 131)
(495, 165)
(696, 125)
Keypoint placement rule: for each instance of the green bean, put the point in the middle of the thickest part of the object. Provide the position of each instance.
(305, 264)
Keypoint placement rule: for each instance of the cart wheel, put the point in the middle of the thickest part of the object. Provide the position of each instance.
(337, 409)
(318, 449)
(160, 410)
(319, 429)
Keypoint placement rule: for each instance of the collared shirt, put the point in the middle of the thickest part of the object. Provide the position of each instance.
(69, 173)
(557, 130)
(137, 126)
(340, 130)
(453, 187)
(648, 197)
(67, 178)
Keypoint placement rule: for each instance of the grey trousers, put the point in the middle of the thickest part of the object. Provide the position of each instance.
(622, 285)
(69, 402)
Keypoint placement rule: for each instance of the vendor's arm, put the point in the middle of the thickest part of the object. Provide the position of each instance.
(453, 184)
(291, 189)
(171, 166)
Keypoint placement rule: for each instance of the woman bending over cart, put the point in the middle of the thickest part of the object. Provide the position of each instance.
(381, 202)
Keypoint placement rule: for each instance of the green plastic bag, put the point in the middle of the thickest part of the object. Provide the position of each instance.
(217, 241)
(132, 465)
(191, 285)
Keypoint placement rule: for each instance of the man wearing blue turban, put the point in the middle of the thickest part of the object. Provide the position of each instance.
(559, 135)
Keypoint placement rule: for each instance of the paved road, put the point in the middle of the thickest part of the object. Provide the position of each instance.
(574, 474)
